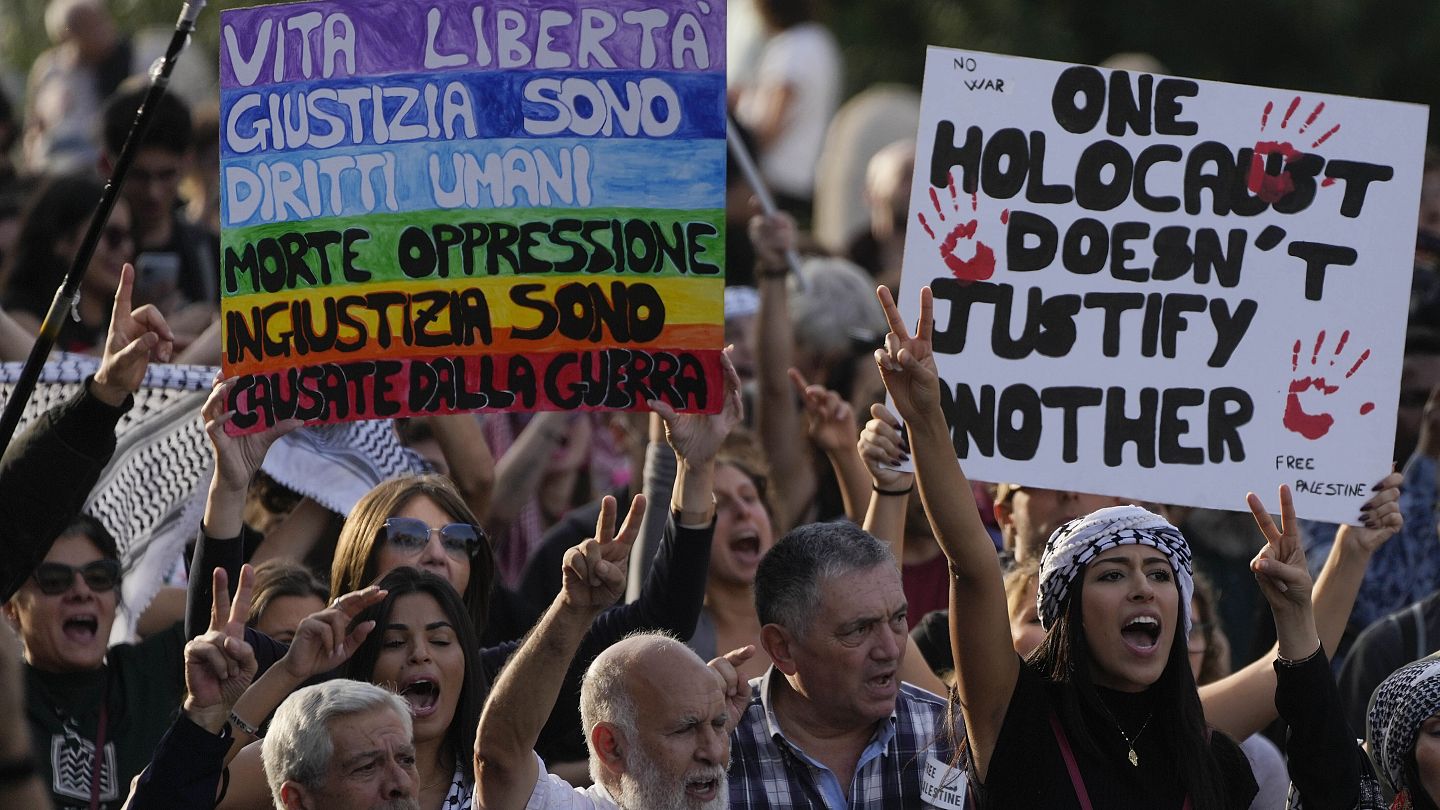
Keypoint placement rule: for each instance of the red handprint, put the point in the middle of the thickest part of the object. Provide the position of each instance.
(1297, 420)
(981, 264)
(1273, 187)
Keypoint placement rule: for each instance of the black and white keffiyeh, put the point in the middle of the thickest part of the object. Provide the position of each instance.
(1402, 702)
(152, 495)
(335, 465)
(1079, 541)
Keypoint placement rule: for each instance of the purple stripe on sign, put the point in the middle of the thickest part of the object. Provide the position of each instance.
(344, 38)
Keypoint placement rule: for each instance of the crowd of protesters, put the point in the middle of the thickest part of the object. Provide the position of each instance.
(752, 608)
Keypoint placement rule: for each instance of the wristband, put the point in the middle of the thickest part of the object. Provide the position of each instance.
(1286, 662)
(894, 492)
(235, 721)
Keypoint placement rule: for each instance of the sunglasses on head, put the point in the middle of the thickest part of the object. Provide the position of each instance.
(56, 578)
(411, 535)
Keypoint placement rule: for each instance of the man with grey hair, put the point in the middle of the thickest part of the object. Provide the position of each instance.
(670, 755)
(831, 724)
(342, 744)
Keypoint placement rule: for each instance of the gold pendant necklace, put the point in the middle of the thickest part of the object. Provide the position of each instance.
(1130, 741)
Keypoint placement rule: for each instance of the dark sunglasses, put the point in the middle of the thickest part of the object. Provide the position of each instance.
(411, 535)
(56, 578)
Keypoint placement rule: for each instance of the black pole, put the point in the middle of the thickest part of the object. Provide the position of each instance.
(67, 295)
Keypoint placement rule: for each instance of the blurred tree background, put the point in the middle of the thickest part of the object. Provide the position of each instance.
(1386, 49)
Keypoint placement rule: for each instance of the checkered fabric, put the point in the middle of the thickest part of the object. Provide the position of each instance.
(1079, 541)
(767, 771)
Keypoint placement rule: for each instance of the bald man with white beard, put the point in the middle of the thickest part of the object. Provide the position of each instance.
(657, 719)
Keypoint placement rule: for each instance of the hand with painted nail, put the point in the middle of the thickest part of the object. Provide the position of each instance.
(882, 446)
(236, 457)
(136, 337)
(1380, 517)
(829, 419)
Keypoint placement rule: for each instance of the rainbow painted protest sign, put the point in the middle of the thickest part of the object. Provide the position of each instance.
(460, 205)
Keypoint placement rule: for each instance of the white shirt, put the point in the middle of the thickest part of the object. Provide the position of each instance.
(553, 793)
(805, 58)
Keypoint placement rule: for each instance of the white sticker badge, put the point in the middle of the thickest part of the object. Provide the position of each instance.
(944, 785)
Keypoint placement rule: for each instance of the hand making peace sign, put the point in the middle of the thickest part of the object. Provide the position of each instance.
(595, 570)
(220, 665)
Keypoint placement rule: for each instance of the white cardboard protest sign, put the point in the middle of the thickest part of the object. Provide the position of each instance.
(1160, 288)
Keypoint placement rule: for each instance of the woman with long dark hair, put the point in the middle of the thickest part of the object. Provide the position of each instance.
(415, 639)
(1105, 712)
(51, 230)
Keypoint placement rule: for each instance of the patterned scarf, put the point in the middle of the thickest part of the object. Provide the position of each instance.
(152, 495)
(1402, 702)
(1079, 541)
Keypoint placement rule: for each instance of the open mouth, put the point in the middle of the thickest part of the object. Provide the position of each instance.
(746, 548)
(1142, 633)
(422, 695)
(81, 629)
(702, 789)
(882, 683)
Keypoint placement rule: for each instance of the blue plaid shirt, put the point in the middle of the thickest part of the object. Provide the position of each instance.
(768, 770)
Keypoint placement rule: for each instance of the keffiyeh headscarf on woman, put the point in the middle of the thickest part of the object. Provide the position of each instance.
(1402, 703)
(1079, 541)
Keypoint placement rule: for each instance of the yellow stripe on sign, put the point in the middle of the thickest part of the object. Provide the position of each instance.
(686, 300)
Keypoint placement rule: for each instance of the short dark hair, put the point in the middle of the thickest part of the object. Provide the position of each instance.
(170, 129)
(787, 583)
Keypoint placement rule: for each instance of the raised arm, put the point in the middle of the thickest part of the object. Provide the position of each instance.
(1243, 702)
(1324, 762)
(323, 642)
(236, 460)
(830, 424)
(880, 448)
(520, 468)
(506, 769)
(674, 590)
(777, 415)
(986, 667)
(219, 667)
(658, 478)
(472, 466)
